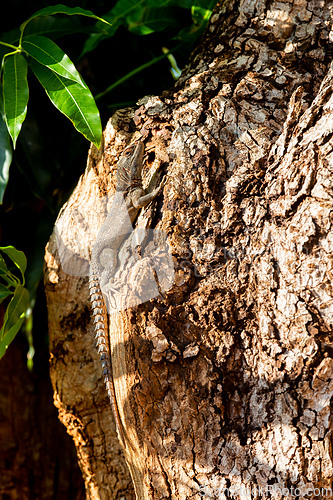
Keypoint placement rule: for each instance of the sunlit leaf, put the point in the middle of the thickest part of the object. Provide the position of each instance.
(14, 316)
(151, 19)
(201, 15)
(116, 17)
(46, 52)
(3, 266)
(6, 153)
(73, 100)
(55, 26)
(62, 9)
(175, 70)
(17, 306)
(9, 336)
(15, 93)
(186, 4)
(4, 292)
(17, 257)
(12, 37)
(94, 39)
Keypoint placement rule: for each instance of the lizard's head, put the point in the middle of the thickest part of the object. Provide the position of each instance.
(129, 166)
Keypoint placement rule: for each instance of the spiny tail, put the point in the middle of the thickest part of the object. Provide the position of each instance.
(102, 337)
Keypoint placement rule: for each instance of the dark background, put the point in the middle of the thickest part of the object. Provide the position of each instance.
(50, 154)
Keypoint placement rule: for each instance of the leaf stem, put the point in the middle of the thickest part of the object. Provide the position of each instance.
(135, 71)
(9, 45)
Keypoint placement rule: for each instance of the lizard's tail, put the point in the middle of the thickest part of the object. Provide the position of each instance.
(103, 346)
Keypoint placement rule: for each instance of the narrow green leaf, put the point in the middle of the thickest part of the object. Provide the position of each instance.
(175, 70)
(3, 266)
(138, 69)
(201, 15)
(73, 100)
(201, 10)
(151, 19)
(46, 52)
(10, 278)
(9, 336)
(4, 292)
(116, 16)
(186, 4)
(61, 9)
(15, 93)
(16, 307)
(11, 38)
(56, 26)
(51, 26)
(6, 153)
(94, 39)
(14, 316)
(17, 257)
(123, 8)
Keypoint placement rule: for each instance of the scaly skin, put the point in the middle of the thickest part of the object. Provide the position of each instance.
(116, 227)
(103, 346)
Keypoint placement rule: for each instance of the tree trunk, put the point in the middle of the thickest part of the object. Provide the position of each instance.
(224, 380)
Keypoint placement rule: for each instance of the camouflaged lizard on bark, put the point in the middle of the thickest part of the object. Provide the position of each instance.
(113, 232)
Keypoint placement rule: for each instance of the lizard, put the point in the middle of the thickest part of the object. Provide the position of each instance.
(113, 232)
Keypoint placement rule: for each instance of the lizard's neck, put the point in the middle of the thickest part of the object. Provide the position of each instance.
(125, 186)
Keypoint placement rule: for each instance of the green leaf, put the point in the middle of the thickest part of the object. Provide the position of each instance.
(175, 70)
(3, 266)
(14, 316)
(186, 4)
(49, 54)
(9, 37)
(61, 9)
(51, 26)
(4, 292)
(6, 154)
(123, 8)
(116, 16)
(151, 19)
(17, 257)
(73, 100)
(16, 307)
(9, 336)
(56, 26)
(96, 38)
(10, 278)
(15, 93)
(201, 15)
(201, 10)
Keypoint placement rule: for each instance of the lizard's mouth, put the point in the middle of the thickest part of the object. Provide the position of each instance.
(136, 161)
(138, 153)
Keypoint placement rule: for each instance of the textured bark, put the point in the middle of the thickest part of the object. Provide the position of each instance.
(225, 380)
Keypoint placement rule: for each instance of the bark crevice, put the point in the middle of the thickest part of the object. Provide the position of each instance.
(226, 379)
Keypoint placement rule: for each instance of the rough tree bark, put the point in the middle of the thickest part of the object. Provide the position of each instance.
(226, 379)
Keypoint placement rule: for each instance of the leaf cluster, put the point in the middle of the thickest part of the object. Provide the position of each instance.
(56, 73)
(12, 286)
(166, 29)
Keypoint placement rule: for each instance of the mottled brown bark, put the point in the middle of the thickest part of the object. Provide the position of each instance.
(225, 380)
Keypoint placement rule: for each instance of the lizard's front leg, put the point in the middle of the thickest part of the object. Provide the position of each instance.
(140, 200)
